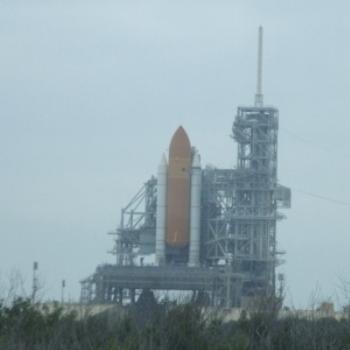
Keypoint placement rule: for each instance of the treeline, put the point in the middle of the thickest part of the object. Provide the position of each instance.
(26, 326)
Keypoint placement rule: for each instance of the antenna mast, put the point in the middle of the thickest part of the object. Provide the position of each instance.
(259, 95)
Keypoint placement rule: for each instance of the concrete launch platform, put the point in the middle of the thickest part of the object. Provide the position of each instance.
(110, 281)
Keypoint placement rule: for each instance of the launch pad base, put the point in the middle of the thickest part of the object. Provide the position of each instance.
(110, 283)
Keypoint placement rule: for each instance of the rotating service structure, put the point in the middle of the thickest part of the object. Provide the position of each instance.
(211, 231)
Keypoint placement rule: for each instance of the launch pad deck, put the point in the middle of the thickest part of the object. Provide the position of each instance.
(114, 279)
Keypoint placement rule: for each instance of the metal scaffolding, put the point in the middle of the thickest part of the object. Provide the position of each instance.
(239, 214)
(240, 205)
(238, 227)
(136, 232)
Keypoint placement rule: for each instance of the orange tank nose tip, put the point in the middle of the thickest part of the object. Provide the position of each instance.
(180, 145)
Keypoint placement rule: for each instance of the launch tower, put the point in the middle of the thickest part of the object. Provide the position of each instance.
(212, 231)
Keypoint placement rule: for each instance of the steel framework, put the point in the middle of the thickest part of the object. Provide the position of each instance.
(239, 214)
(238, 236)
(240, 205)
(136, 232)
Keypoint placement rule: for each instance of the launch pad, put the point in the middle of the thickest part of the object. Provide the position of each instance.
(210, 230)
(112, 284)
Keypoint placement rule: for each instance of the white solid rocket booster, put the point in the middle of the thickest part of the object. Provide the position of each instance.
(195, 215)
(161, 211)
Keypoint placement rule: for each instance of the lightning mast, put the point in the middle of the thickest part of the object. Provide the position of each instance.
(259, 97)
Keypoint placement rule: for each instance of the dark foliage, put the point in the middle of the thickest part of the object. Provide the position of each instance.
(26, 326)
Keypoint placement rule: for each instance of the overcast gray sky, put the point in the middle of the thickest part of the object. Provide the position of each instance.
(91, 92)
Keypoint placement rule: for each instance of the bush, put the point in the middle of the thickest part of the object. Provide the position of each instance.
(25, 326)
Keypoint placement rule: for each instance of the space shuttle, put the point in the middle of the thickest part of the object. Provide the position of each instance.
(179, 203)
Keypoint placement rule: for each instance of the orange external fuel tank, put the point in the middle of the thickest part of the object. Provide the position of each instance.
(178, 190)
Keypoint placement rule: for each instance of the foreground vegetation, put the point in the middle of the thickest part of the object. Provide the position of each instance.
(24, 326)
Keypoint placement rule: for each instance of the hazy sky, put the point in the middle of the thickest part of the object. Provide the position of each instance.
(91, 92)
